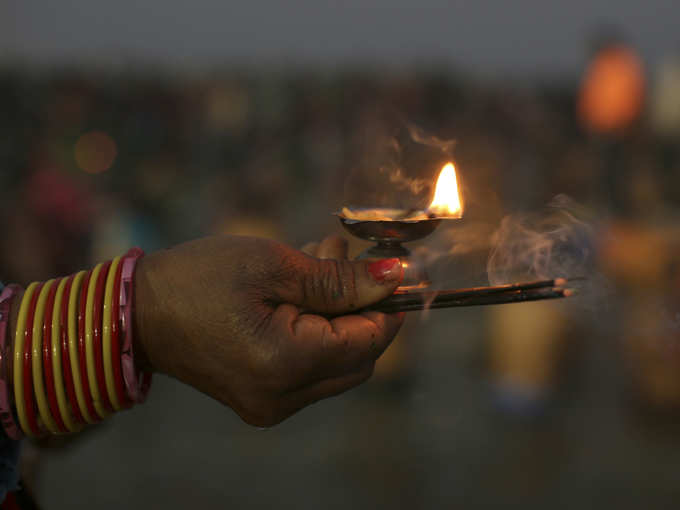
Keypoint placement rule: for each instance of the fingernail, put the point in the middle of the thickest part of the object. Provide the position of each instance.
(386, 270)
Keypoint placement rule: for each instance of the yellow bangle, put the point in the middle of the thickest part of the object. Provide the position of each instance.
(89, 344)
(73, 345)
(18, 365)
(64, 408)
(36, 360)
(106, 335)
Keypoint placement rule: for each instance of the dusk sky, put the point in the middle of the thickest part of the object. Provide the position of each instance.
(522, 36)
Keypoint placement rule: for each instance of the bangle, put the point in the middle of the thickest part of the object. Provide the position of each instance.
(46, 354)
(82, 360)
(37, 357)
(65, 357)
(9, 423)
(19, 339)
(76, 332)
(107, 326)
(97, 335)
(23, 390)
(29, 395)
(92, 291)
(115, 351)
(54, 375)
(73, 353)
(47, 374)
(44, 357)
(136, 381)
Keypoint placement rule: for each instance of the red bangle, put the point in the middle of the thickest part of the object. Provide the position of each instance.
(119, 384)
(65, 357)
(82, 362)
(7, 413)
(47, 358)
(97, 336)
(28, 372)
(137, 382)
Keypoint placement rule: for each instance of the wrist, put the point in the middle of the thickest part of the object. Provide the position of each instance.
(143, 317)
(73, 362)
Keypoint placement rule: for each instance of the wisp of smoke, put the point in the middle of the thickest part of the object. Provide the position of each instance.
(553, 243)
(419, 136)
(416, 136)
(401, 181)
(406, 158)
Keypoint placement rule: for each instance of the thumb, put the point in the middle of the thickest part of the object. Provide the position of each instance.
(333, 286)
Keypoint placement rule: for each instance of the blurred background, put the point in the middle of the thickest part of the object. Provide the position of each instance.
(150, 123)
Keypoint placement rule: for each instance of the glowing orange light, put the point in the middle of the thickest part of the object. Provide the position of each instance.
(446, 201)
(95, 152)
(613, 89)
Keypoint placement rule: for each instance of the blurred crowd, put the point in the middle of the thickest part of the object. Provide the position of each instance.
(94, 162)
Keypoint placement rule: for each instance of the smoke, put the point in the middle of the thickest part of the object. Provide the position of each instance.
(395, 166)
(419, 136)
(461, 239)
(403, 182)
(559, 241)
(428, 146)
(556, 242)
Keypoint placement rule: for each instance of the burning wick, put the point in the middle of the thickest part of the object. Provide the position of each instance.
(446, 203)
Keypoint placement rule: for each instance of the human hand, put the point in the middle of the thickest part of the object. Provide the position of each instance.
(224, 315)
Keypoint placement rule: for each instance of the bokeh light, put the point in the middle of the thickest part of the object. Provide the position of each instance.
(612, 91)
(95, 152)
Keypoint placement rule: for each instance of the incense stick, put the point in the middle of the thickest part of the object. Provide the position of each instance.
(495, 289)
(420, 301)
(414, 297)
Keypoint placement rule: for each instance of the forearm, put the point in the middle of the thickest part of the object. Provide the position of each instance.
(221, 314)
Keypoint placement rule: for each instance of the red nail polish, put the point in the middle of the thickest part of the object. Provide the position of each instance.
(386, 270)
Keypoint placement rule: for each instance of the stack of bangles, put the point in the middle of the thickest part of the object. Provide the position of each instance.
(72, 360)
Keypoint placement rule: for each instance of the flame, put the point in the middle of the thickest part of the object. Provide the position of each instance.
(446, 201)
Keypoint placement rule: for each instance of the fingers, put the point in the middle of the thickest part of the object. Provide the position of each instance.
(319, 349)
(332, 247)
(358, 339)
(327, 388)
(332, 285)
(310, 249)
(335, 287)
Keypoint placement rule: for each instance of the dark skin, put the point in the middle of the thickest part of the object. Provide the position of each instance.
(225, 315)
